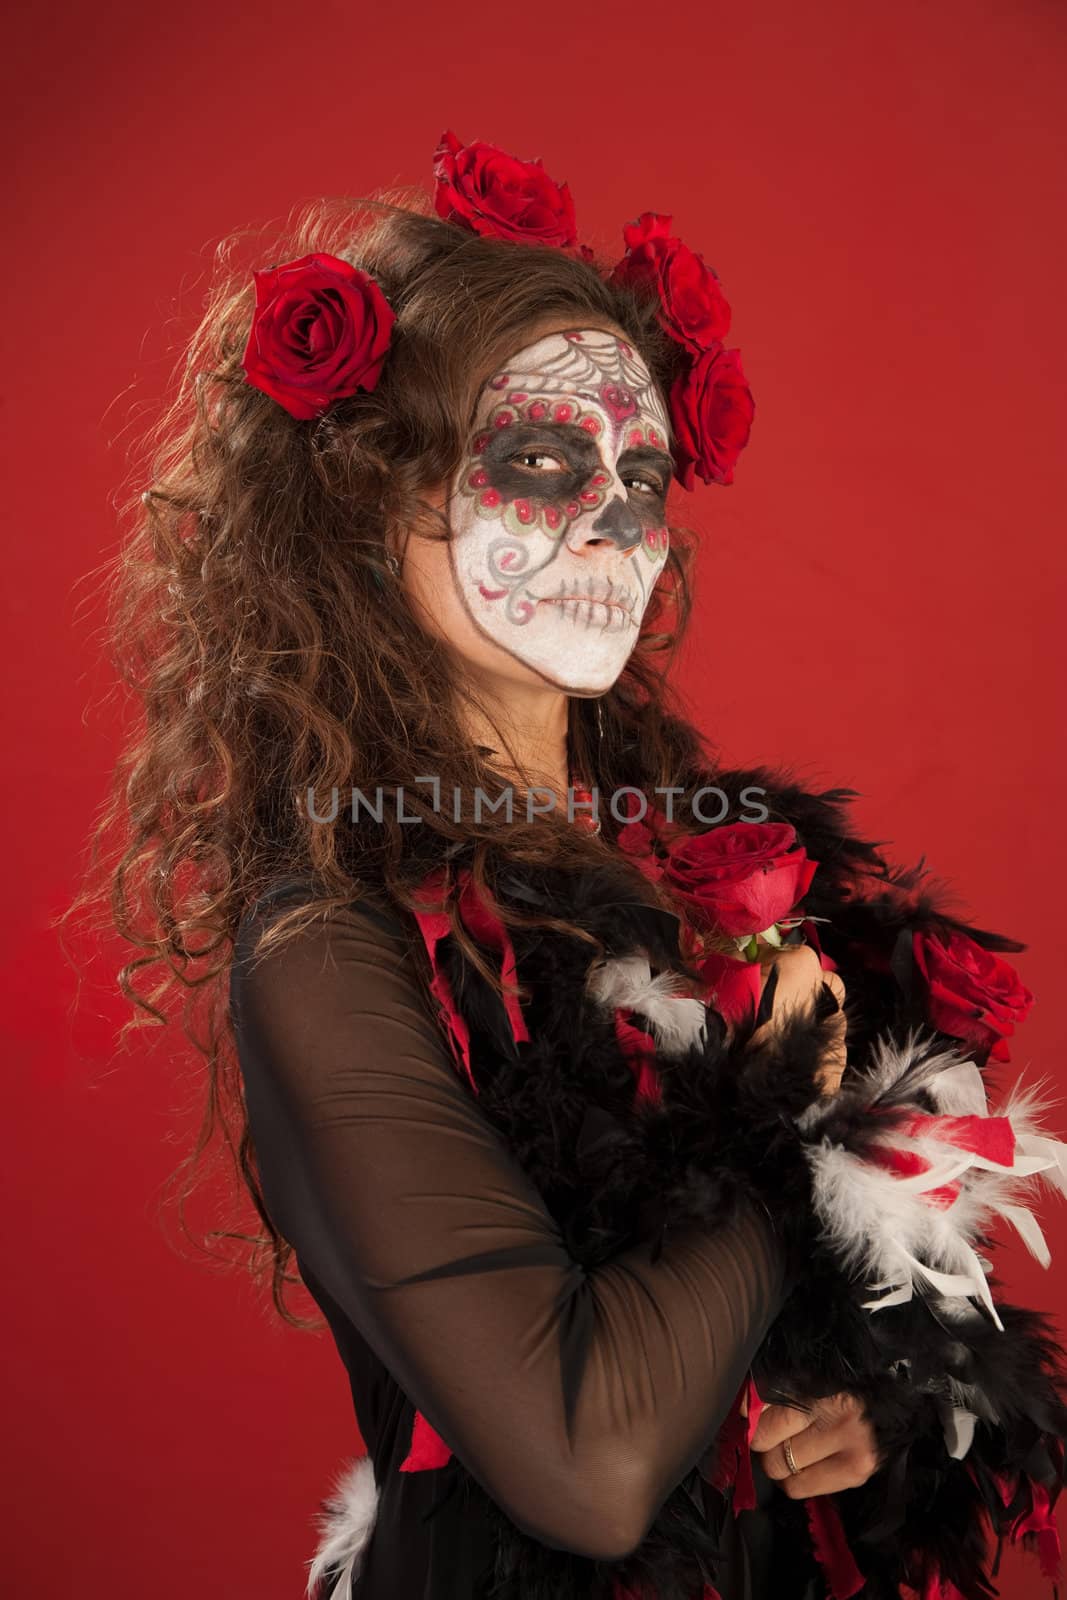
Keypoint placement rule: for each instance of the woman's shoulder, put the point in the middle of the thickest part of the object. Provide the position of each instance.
(367, 911)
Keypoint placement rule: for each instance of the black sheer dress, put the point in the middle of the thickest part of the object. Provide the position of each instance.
(578, 1400)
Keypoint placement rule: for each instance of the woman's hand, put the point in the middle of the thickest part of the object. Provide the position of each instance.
(832, 1446)
(800, 978)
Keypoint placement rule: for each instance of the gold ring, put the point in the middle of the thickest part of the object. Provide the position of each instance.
(790, 1459)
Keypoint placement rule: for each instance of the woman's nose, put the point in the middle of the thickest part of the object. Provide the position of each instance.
(616, 524)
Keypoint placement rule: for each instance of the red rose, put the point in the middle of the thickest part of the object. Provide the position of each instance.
(971, 993)
(694, 308)
(740, 878)
(321, 330)
(712, 410)
(493, 193)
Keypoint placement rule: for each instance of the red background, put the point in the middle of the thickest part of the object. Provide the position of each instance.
(880, 189)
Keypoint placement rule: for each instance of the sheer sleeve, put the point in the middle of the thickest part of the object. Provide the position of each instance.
(578, 1399)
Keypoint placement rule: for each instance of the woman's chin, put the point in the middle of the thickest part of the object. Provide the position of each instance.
(582, 678)
(586, 667)
(586, 685)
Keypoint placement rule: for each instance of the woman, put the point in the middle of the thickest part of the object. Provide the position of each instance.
(556, 1105)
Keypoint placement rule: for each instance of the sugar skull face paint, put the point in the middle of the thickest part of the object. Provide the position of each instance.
(558, 514)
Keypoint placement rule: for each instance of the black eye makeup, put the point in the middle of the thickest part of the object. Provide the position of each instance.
(653, 466)
(506, 459)
(511, 457)
(563, 439)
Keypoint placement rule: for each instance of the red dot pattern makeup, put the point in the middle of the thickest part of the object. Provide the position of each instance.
(559, 513)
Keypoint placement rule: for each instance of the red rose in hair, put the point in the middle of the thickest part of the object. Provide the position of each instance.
(321, 331)
(740, 878)
(971, 993)
(493, 193)
(712, 410)
(694, 308)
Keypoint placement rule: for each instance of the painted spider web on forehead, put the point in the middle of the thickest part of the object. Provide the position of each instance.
(583, 367)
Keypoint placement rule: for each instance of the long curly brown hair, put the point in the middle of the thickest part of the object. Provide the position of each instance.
(270, 652)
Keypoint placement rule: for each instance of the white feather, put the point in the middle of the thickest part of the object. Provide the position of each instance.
(345, 1524)
(892, 1060)
(1028, 1228)
(886, 1232)
(678, 1021)
(1026, 1107)
(958, 1424)
(960, 1091)
(884, 1228)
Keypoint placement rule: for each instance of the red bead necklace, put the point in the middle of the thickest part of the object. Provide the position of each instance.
(583, 796)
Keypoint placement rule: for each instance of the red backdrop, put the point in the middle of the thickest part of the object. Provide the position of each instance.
(881, 600)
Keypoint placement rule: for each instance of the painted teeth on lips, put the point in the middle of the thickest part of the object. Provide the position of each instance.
(611, 616)
(594, 603)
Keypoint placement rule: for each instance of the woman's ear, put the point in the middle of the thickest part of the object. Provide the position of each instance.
(394, 544)
(430, 520)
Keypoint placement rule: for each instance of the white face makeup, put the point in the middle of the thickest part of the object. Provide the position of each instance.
(559, 513)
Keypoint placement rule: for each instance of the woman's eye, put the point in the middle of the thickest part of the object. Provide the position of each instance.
(530, 458)
(648, 485)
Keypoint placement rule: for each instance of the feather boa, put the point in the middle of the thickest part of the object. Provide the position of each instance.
(882, 1194)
